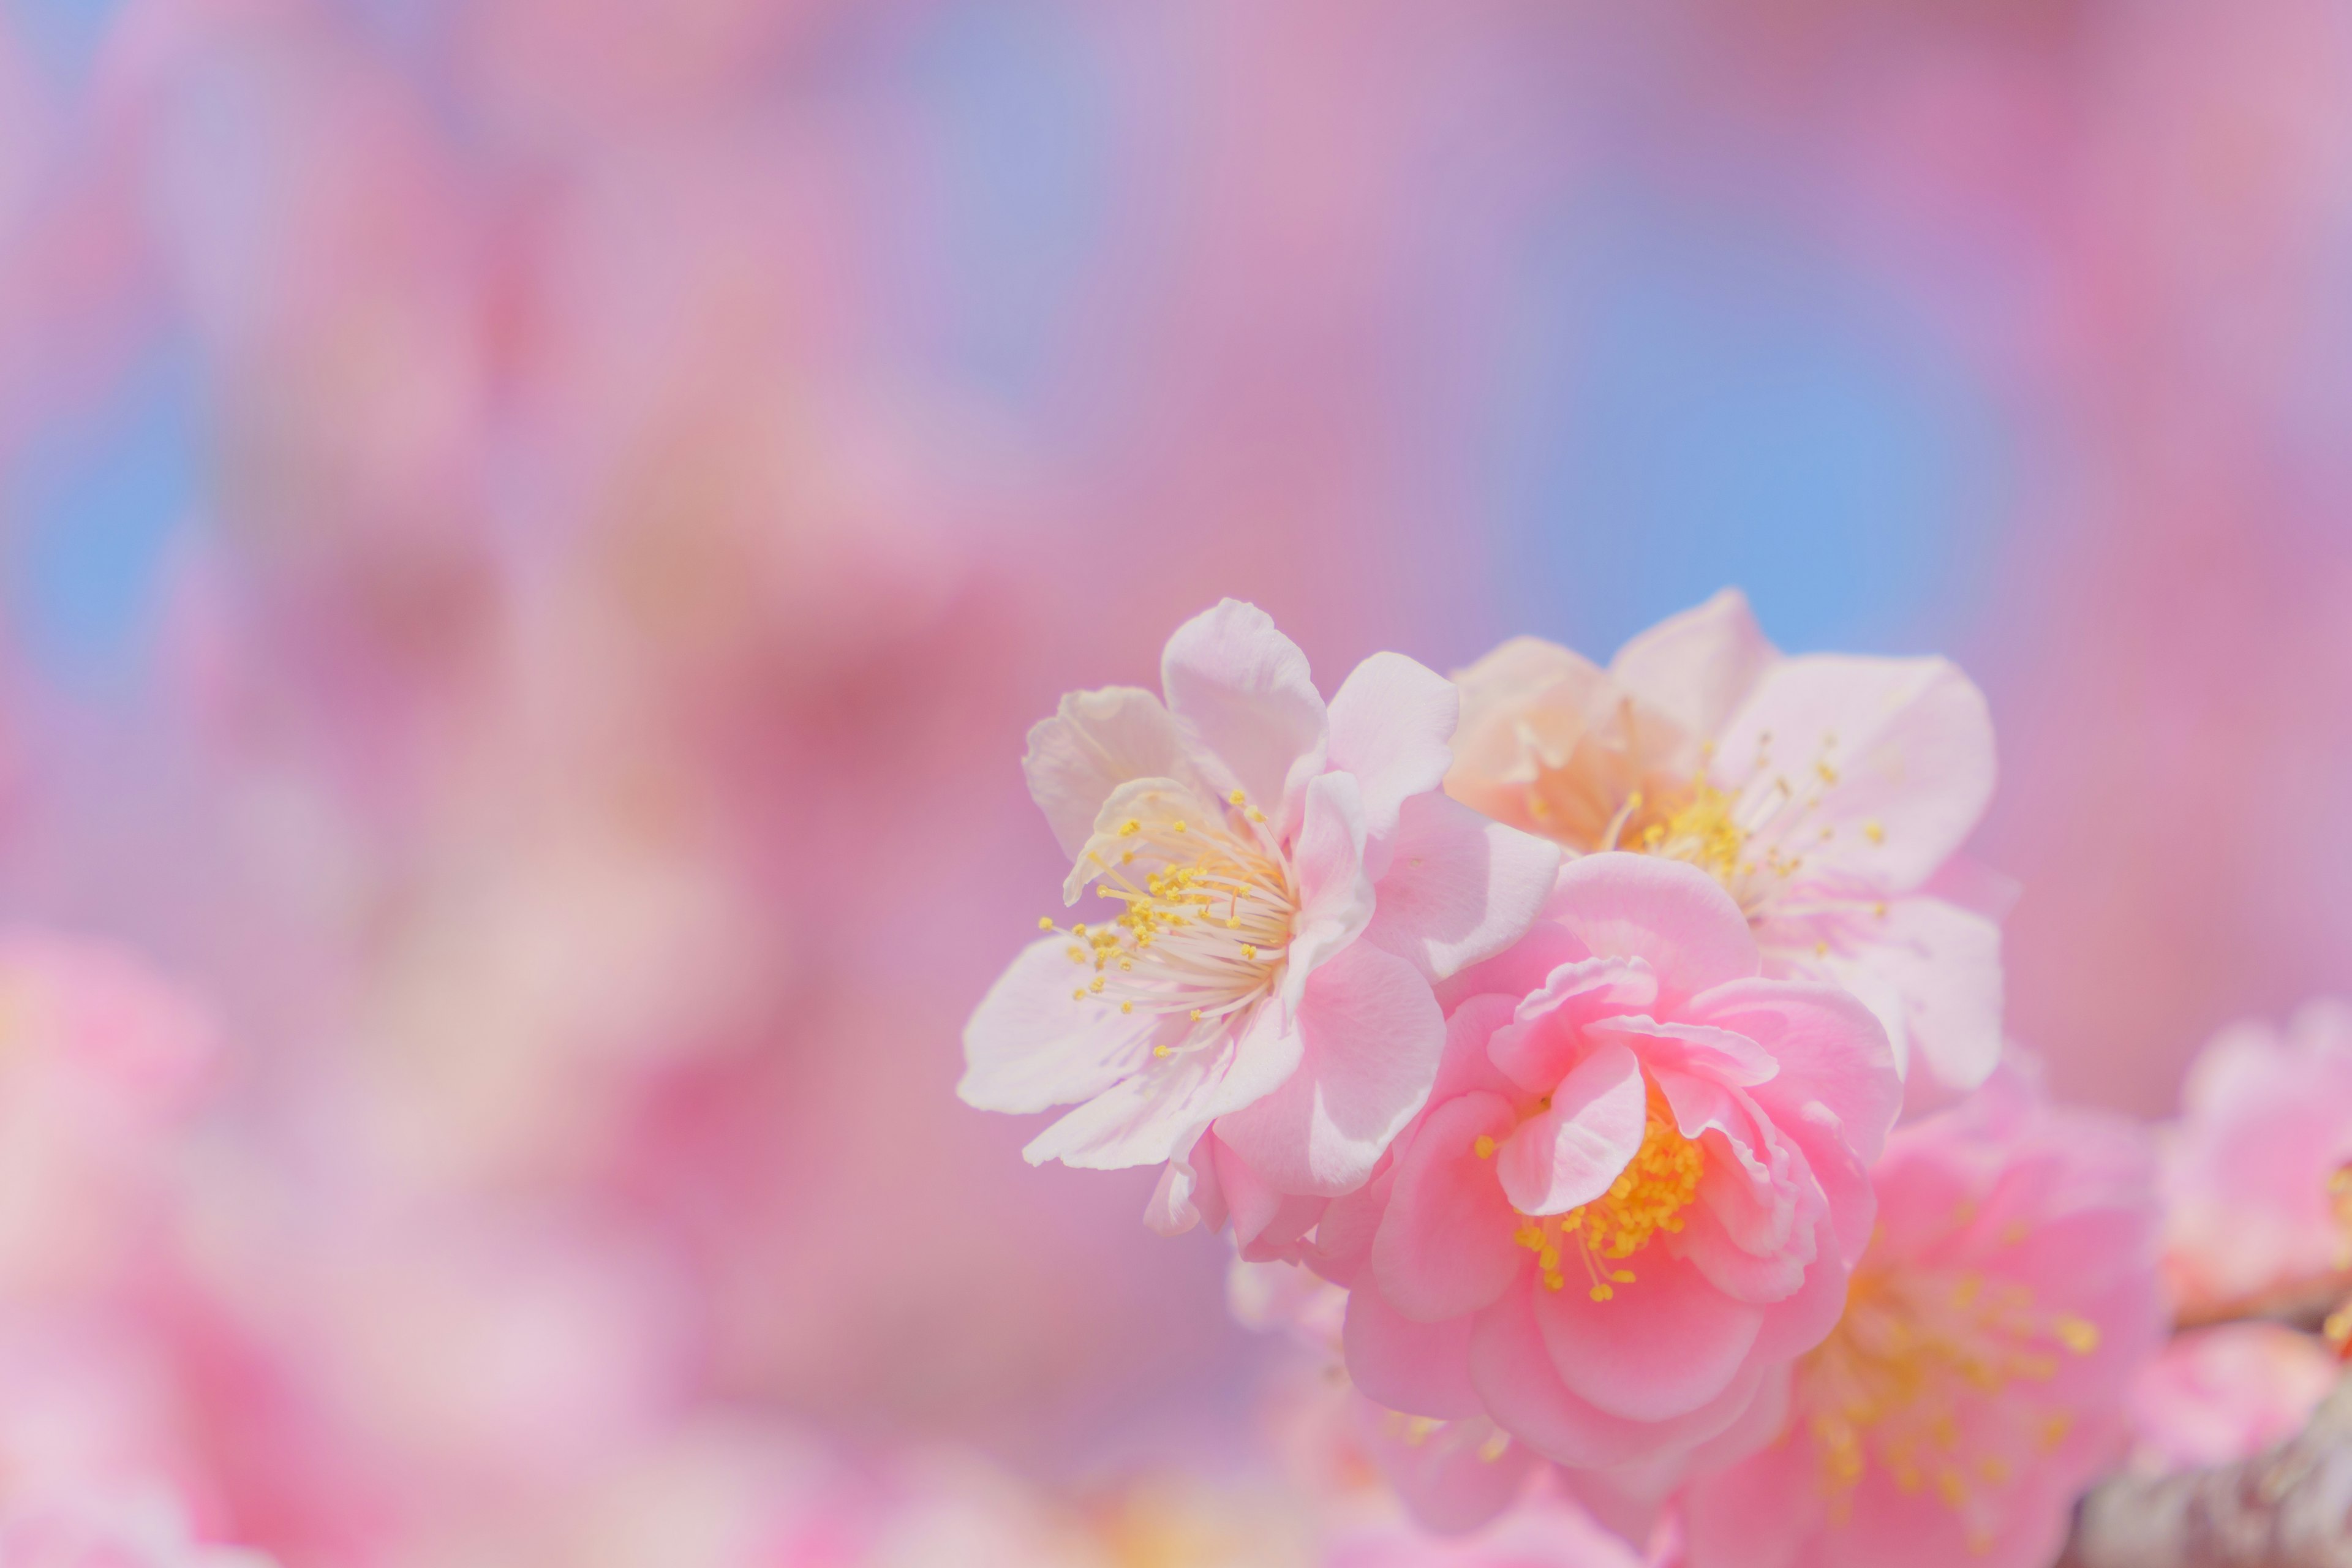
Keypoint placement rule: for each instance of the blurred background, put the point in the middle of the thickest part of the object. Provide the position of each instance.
(531, 530)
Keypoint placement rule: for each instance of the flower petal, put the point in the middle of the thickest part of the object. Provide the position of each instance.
(1907, 742)
(1667, 1343)
(1336, 895)
(1096, 742)
(1536, 1049)
(1697, 667)
(1420, 1369)
(1391, 726)
(1245, 689)
(1520, 1385)
(1568, 1153)
(1940, 969)
(1459, 888)
(1029, 1044)
(1451, 1480)
(1444, 1247)
(1675, 917)
(1372, 1036)
(1157, 1111)
(1830, 1046)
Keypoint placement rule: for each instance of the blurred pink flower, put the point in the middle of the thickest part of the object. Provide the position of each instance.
(1302, 882)
(135, 1530)
(2216, 1395)
(1975, 1382)
(1829, 794)
(1638, 1185)
(1550, 1533)
(99, 1059)
(2266, 1121)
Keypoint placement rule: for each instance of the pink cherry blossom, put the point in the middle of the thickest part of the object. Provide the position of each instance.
(1638, 1184)
(1974, 1384)
(1288, 880)
(2224, 1393)
(1829, 794)
(142, 1529)
(1552, 1533)
(2266, 1121)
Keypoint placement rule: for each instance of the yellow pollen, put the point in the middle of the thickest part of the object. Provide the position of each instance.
(1179, 828)
(1044, 922)
(1874, 831)
(1196, 1014)
(1127, 1006)
(1484, 1147)
(1926, 1366)
(1236, 797)
(1129, 829)
(1647, 1197)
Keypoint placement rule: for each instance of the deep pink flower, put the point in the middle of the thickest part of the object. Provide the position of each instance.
(2225, 1393)
(1975, 1383)
(2250, 1168)
(1287, 880)
(1637, 1186)
(1829, 794)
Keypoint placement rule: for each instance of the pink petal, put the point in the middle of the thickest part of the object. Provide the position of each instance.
(1664, 1345)
(1830, 1048)
(1459, 888)
(1158, 1111)
(1451, 1480)
(1466, 1066)
(1096, 742)
(1335, 894)
(1245, 689)
(1420, 1369)
(1717, 1054)
(1910, 742)
(1758, 1514)
(1799, 1322)
(1941, 965)
(1444, 1247)
(1372, 1036)
(1541, 1043)
(1392, 724)
(1029, 1046)
(1570, 1153)
(1518, 968)
(1518, 1380)
(1697, 667)
(1675, 917)
(1188, 1194)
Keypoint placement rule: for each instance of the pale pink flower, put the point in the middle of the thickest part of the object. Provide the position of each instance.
(1975, 1383)
(143, 1529)
(1637, 1187)
(2267, 1120)
(1287, 880)
(1829, 794)
(2220, 1394)
(1550, 1533)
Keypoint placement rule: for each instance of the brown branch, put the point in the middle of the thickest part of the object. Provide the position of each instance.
(2302, 1303)
(2289, 1507)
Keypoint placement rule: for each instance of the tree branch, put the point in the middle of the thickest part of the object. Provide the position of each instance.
(2289, 1507)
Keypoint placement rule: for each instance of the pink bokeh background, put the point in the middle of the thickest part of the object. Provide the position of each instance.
(533, 530)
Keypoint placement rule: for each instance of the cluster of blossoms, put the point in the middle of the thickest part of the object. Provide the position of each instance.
(1604, 1068)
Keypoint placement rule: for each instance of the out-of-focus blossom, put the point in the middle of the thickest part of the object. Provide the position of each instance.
(1638, 1186)
(1549, 1535)
(1289, 880)
(2249, 1170)
(1975, 1383)
(2224, 1393)
(99, 1060)
(1829, 794)
(138, 1529)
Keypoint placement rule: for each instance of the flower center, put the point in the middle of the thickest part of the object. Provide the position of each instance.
(1648, 1197)
(1908, 1378)
(1207, 900)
